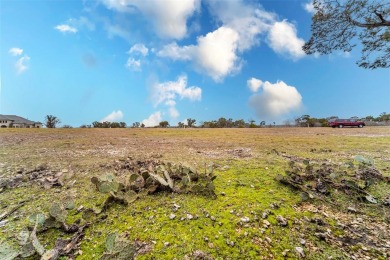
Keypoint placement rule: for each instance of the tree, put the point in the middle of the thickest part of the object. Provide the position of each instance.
(136, 124)
(180, 125)
(51, 121)
(191, 122)
(337, 24)
(164, 124)
(252, 123)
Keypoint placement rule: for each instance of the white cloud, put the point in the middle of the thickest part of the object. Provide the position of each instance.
(275, 100)
(21, 64)
(115, 116)
(254, 84)
(64, 28)
(138, 48)
(309, 7)
(175, 52)
(217, 54)
(15, 51)
(249, 21)
(283, 39)
(168, 17)
(173, 113)
(167, 92)
(214, 54)
(152, 120)
(133, 64)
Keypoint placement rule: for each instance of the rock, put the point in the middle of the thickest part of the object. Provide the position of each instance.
(282, 221)
(172, 216)
(302, 241)
(65, 171)
(269, 240)
(266, 223)
(285, 252)
(212, 218)
(320, 235)
(245, 219)
(300, 251)
(351, 209)
(189, 216)
(265, 214)
(166, 244)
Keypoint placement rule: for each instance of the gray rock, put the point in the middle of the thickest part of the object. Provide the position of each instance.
(282, 221)
(300, 251)
(172, 216)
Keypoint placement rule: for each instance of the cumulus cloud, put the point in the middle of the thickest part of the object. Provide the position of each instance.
(15, 51)
(64, 28)
(153, 120)
(249, 21)
(309, 7)
(283, 39)
(275, 100)
(214, 54)
(217, 54)
(169, 17)
(254, 84)
(139, 48)
(115, 116)
(133, 64)
(175, 52)
(166, 94)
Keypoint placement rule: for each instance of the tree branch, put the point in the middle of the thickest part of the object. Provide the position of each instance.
(368, 25)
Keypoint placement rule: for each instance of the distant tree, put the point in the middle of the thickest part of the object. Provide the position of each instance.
(252, 123)
(142, 125)
(303, 121)
(369, 118)
(85, 126)
(164, 124)
(262, 123)
(52, 121)
(240, 123)
(122, 125)
(136, 124)
(338, 25)
(67, 126)
(222, 122)
(180, 125)
(191, 122)
(230, 122)
(384, 117)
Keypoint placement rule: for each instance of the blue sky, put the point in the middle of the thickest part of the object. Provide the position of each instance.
(152, 60)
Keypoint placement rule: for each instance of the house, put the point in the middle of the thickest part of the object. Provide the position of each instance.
(7, 121)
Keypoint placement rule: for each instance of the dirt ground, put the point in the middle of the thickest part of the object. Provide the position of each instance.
(248, 219)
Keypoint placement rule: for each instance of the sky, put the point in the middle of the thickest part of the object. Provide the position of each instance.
(151, 60)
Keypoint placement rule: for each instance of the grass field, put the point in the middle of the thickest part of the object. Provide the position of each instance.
(243, 221)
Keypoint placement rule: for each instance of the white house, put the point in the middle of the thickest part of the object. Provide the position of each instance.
(8, 121)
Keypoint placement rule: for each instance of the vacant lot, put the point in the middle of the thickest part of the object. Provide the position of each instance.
(317, 193)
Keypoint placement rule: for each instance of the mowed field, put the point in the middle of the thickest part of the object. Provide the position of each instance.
(280, 193)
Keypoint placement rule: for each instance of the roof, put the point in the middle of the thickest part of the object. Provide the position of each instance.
(17, 119)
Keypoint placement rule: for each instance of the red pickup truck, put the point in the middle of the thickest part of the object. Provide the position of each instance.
(346, 122)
